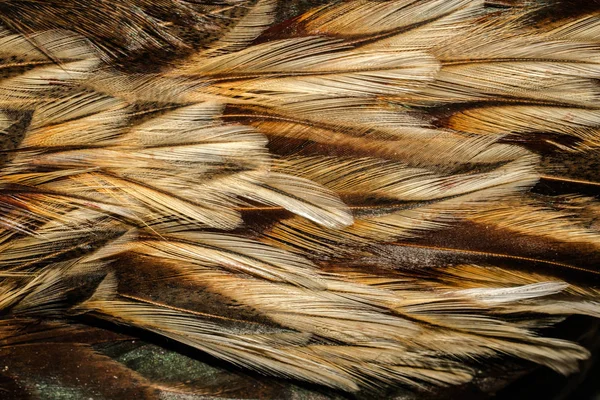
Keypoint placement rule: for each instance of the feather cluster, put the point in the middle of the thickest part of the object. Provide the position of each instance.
(390, 193)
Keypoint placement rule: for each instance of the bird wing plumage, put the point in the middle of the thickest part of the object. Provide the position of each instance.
(370, 195)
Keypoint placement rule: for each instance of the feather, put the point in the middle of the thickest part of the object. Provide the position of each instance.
(581, 124)
(426, 148)
(534, 218)
(310, 68)
(583, 29)
(248, 28)
(28, 86)
(232, 253)
(393, 180)
(434, 203)
(370, 17)
(58, 44)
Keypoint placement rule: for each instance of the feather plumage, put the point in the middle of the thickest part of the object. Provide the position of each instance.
(371, 197)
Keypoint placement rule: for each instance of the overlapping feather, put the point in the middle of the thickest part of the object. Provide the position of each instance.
(309, 187)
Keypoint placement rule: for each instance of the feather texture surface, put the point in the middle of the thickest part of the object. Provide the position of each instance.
(375, 198)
